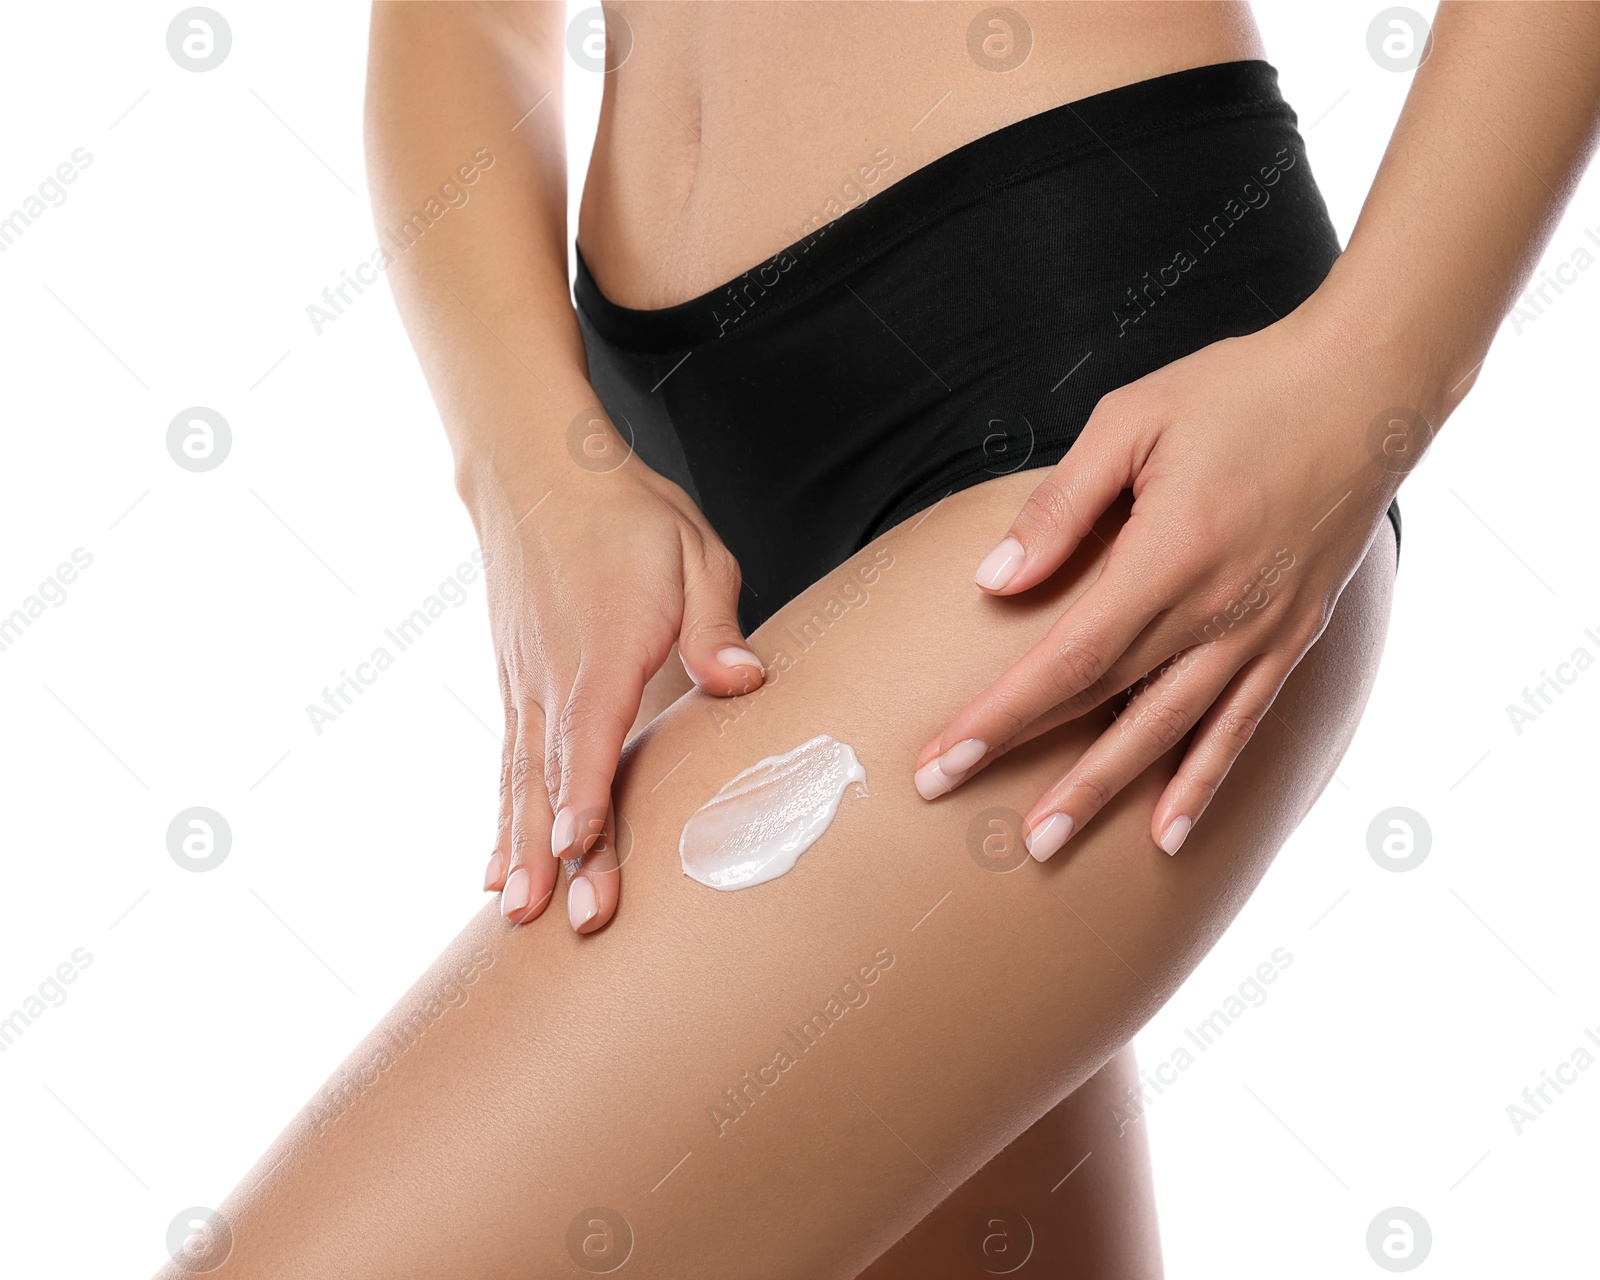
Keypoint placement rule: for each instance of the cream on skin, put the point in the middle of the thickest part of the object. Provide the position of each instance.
(757, 826)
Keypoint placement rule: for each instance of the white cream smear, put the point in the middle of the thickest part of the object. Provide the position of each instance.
(758, 825)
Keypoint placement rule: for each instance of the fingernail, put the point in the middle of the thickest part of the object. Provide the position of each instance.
(491, 874)
(962, 756)
(1048, 836)
(561, 831)
(1000, 565)
(1177, 833)
(581, 906)
(948, 771)
(930, 782)
(733, 656)
(517, 893)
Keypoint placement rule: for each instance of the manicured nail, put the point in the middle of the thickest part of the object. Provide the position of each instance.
(581, 906)
(561, 831)
(493, 872)
(733, 656)
(962, 756)
(517, 893)
(999, 566)
(1048, 836)
(1177, 833)
(947, 772)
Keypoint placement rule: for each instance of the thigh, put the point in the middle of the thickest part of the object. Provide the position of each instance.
(782, 1081)
(1071, 1199)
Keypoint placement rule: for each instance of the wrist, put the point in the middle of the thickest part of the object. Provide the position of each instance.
(1398, 378)
(566, 468)
(1392, 347)
(508, 460)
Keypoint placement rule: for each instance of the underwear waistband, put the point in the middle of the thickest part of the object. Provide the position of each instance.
(1009, 155)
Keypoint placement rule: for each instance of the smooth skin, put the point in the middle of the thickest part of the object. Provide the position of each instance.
(593, 580)
(1078, 1217)
(975, 988)
(1293, 438)
(593, 584)
(596, 580)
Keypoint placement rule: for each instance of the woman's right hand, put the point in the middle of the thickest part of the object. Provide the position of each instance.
(589, 587)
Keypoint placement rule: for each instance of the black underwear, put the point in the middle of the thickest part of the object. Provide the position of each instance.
(961, 323)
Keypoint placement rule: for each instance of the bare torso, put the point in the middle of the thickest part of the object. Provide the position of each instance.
(734, 128)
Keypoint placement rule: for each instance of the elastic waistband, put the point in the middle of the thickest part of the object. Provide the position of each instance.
(1015, 153)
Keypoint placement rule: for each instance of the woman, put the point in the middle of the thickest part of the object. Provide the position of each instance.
(874, 299)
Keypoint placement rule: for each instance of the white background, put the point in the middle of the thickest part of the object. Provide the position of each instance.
(218, 605)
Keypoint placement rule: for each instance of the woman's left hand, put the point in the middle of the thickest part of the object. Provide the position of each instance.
(1261, 468)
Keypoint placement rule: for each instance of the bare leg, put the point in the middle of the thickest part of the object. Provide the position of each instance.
(1071, 1197)
(662, 1069)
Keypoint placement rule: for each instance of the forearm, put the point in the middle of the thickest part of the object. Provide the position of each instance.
(1498, 126)
(469, 194)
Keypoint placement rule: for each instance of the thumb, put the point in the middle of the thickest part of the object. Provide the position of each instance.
(711, 645)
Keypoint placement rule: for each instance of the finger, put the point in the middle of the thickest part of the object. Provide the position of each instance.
(661, 690)
(1062, 509)
(1160, 644)
(935, 772)
(1076, 659)
(1223, 733)
(531, 877)
(1155, 721)
(494, 875)
(593, 882)
(593, 726)
(1170, 635)
(934, 783)
(713, 649)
